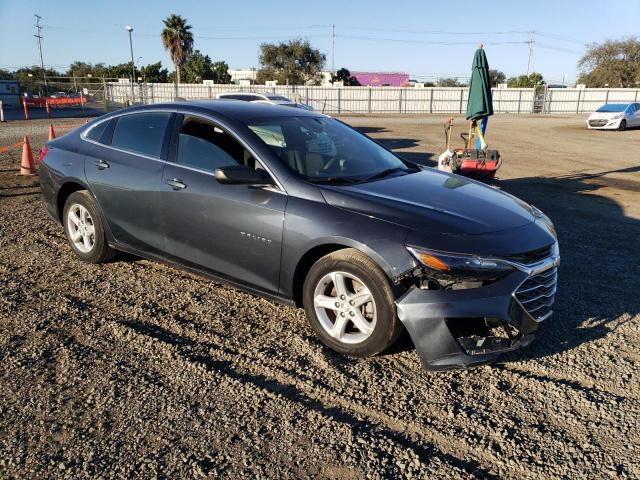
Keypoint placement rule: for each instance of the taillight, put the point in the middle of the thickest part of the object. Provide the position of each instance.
(43, 153)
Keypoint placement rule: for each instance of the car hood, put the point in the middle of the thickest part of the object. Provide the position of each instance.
(435, 202)
(604, 115)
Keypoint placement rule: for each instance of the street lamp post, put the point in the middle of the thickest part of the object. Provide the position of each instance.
(133, 65)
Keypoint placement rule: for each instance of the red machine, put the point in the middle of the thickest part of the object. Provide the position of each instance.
(475, 163)
(470, 162)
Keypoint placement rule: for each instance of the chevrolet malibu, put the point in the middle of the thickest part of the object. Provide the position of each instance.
(300, 208)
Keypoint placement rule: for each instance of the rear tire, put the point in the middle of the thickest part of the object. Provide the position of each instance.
(623, 126)
(349, 303)
(83, 225)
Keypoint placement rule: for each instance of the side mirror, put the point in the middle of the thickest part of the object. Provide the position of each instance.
(242, 175)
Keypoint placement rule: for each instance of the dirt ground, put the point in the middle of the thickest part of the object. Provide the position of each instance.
(134, 369)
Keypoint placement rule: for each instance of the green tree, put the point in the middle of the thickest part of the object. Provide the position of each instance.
(121, 70)
(496, 77)
(196, 67)
(220, 72)
(31, 78)
(524, 81)
(6, 75)
(344, 75)
(449, 82)
(200, 67)
(154, 73)
(177, 39)
(82, 70)
(615, 63)
(294, 62)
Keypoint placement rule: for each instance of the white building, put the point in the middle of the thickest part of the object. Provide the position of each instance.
(238, 74)
(243, 74)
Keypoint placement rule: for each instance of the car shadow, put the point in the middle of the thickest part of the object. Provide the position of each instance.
(397, 144)
(599, 277)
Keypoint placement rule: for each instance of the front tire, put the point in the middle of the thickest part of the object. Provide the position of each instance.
(349, 303)
(83, 226)
(623, 126)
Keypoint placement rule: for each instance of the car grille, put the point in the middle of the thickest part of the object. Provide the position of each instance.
(533, 256)
(537, 293)
(597, 123)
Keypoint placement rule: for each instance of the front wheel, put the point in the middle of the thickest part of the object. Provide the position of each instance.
(349, 303)
(623, 126)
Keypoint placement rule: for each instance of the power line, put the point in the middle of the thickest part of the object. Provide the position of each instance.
(427, 42)
(202, 37)
(553, 36)
(432, 32)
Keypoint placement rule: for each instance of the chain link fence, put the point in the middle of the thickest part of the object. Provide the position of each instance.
(363, 100)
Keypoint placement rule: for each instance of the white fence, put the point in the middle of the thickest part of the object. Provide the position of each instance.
(347, 100)
(584, 100)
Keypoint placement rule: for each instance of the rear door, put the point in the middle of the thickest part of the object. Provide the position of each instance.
(124, 172)
(233, 230)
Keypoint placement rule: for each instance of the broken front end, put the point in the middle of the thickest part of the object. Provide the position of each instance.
(462, 310)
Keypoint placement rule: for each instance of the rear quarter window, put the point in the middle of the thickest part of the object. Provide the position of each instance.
(141, 132)
(95, 133)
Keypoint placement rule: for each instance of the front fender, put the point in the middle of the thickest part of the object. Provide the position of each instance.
(310, 224)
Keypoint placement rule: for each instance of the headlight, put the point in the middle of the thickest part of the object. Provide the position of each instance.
(620, 115)
(459, 266)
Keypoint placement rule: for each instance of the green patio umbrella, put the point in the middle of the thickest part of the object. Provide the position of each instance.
(480, 102)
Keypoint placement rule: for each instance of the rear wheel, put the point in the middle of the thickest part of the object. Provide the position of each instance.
(84, 229)
(350, 305)
(623, 126)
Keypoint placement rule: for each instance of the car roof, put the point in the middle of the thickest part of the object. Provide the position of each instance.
(243, 93)
(236, 109)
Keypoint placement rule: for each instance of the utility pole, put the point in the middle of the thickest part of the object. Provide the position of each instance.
(333, 48)
(530, 42)
(40, 37)
(133, 64)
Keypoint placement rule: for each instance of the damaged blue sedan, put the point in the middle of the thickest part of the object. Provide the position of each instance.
(298, 207)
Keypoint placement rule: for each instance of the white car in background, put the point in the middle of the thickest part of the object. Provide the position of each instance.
(271, 98)
(615, 116)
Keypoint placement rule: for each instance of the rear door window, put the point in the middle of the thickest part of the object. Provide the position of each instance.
(141, 132)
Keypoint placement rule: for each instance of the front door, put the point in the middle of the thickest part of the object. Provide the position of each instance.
(232, 230)
(124, 171)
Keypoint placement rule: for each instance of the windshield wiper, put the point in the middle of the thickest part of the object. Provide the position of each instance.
(333, 180)
(384, 173)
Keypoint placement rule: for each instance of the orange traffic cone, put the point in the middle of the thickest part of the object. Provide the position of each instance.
(27, 166)
(52, 132)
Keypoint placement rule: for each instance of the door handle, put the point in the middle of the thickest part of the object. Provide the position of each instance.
(101, 164)
(176, 184)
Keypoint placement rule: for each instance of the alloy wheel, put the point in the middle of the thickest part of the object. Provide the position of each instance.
(81, 228)
(345, 307)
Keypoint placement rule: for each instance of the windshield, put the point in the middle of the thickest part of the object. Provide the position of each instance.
(324, 149)
(613, 107)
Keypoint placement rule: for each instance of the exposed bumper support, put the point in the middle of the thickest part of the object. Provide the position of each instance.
(432, 318)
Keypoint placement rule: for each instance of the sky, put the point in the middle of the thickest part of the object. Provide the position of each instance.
(424, 38)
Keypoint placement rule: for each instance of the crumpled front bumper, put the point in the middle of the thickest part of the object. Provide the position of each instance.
(432, 318)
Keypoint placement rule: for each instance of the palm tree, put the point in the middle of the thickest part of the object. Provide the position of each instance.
(177, 40)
